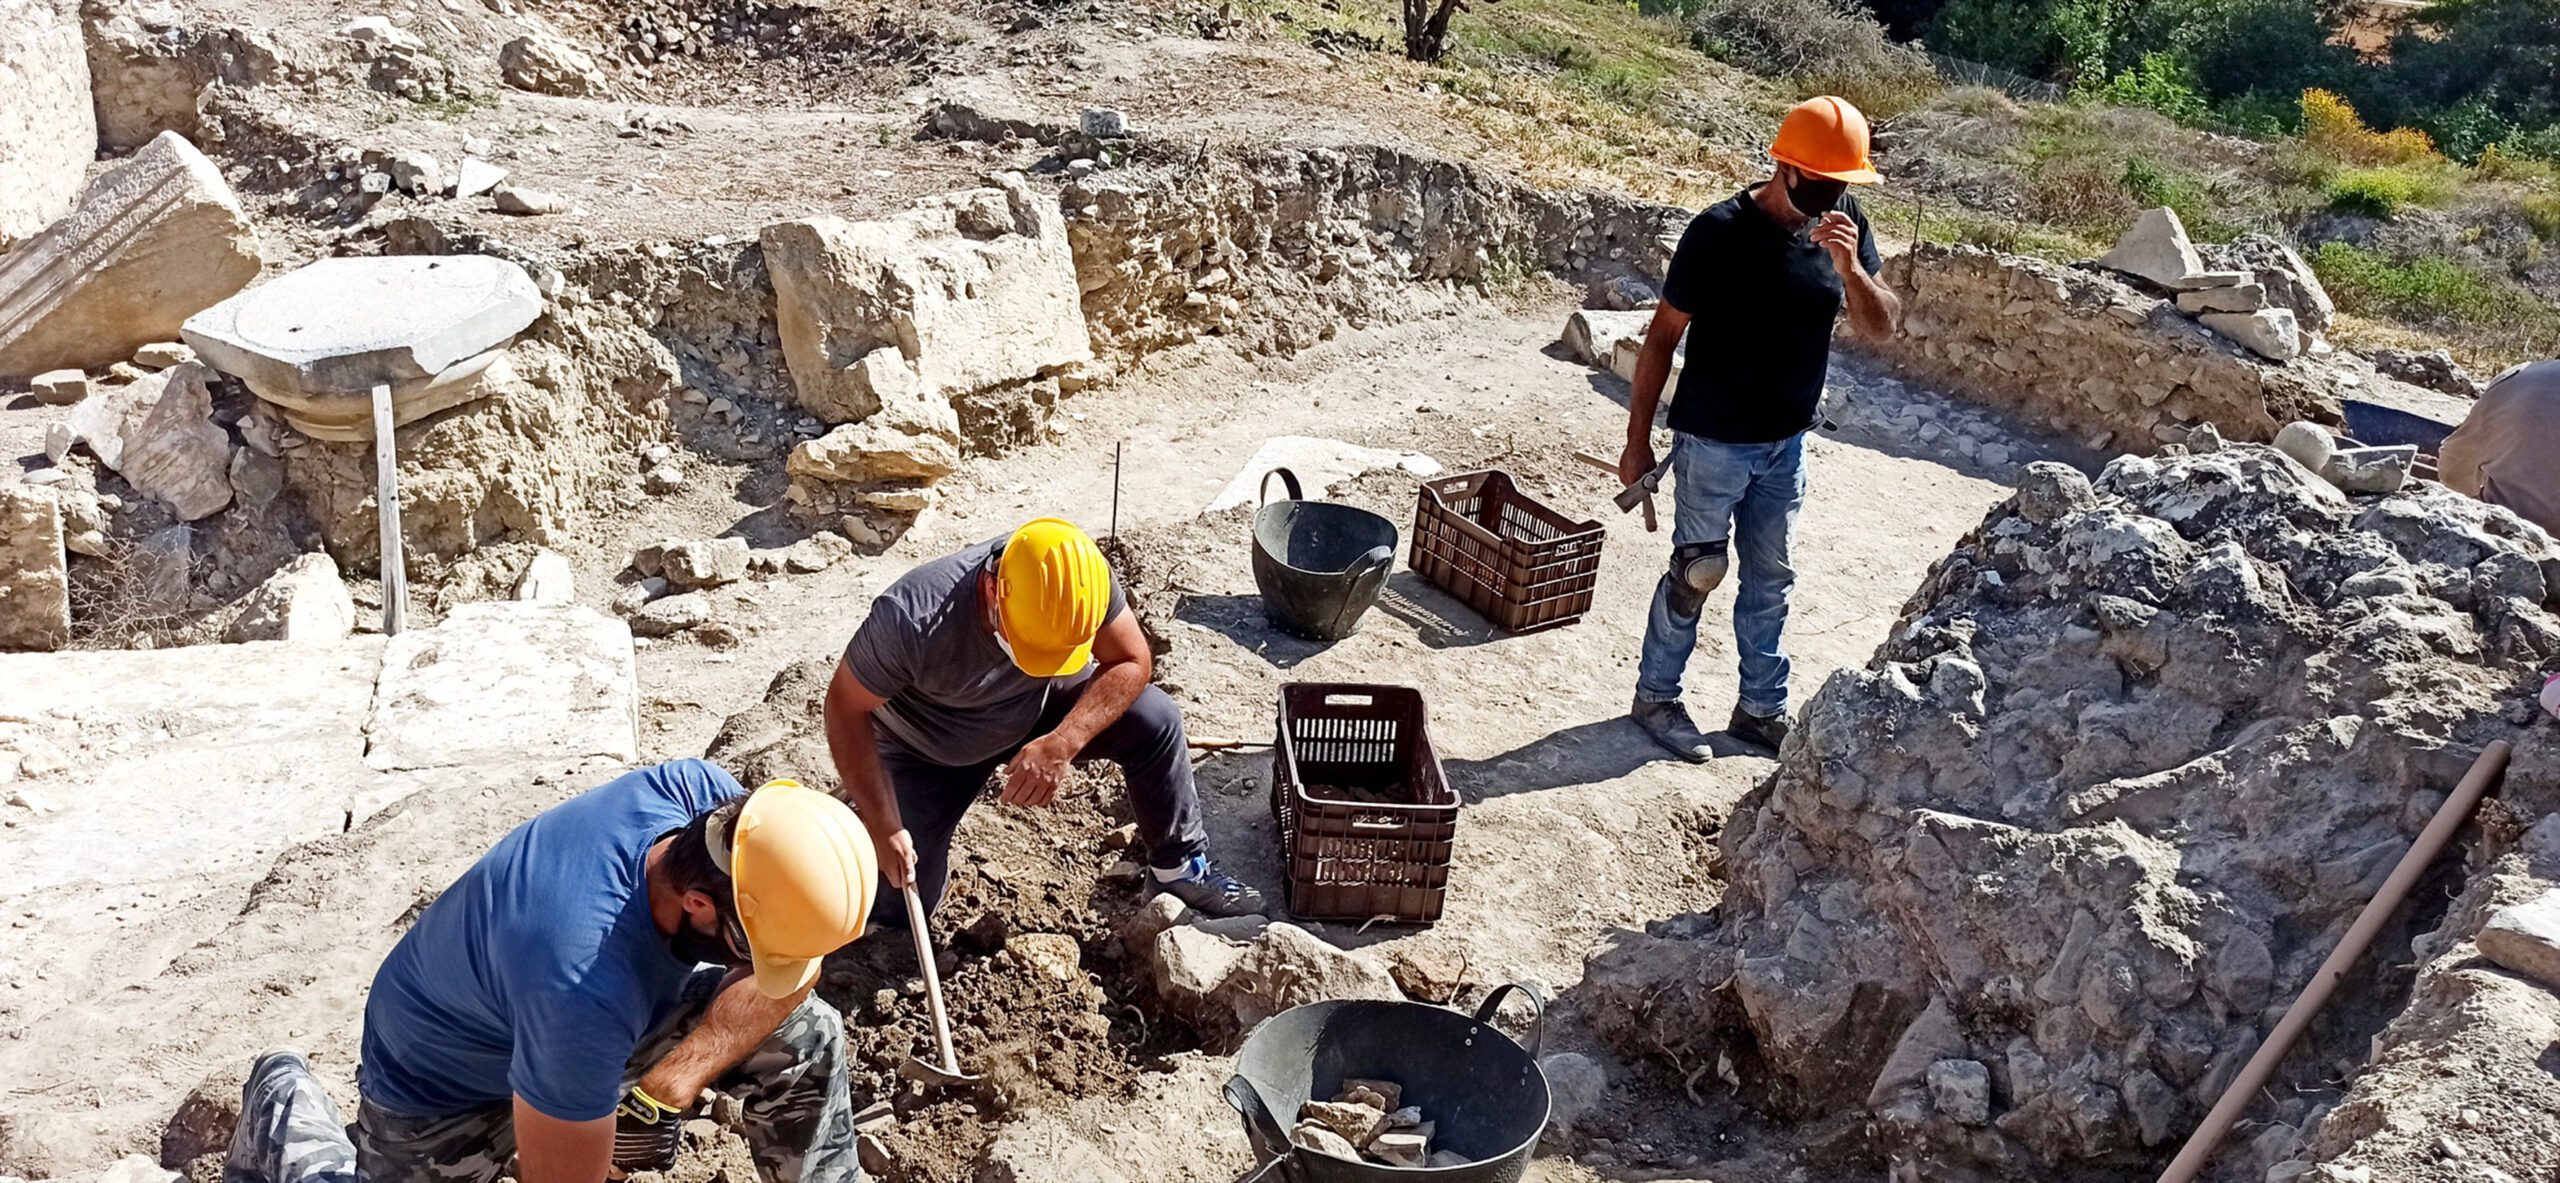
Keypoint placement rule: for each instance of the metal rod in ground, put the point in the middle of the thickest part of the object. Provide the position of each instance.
(2485, 772)
(1115, 489)
(386, 496)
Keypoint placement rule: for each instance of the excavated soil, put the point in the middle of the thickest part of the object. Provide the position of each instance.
(1026, 885)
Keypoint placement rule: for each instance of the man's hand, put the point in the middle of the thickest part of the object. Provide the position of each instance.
(897, 852)
(1033, 775)
(1636, 461)
(1838, 234)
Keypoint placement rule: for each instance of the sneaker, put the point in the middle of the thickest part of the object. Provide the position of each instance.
(1204, 888)
(1770, 732)
(1669, 725)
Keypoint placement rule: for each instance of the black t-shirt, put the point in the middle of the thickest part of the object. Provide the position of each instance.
(1761, 301)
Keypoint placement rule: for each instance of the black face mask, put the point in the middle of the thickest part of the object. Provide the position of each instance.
(1815, 196)
(692, 946)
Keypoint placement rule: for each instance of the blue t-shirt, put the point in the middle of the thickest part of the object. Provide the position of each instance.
(540, 970)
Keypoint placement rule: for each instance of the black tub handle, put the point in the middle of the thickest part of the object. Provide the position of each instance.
(1288, 480)
(1257, 1116)
(1537, 1012)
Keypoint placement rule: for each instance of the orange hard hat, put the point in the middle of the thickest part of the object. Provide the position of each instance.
(1826, 137)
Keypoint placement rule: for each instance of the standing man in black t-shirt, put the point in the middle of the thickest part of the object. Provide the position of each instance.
(1757, 283)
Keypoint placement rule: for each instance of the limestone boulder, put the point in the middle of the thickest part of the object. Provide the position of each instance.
(546, 63)
(173, 450)
(2269, 332)
(704, 562)
(151, 242)
(1225, 976)
(968, 291)
(48, 127)
(2525, 938)
(1591, 335)
(875, 451)
(2155, 248)
(315, 341)
(2098, 807)
(35, 586)
(59, 388)
(547, 579)
(505, 681)
(303, 602)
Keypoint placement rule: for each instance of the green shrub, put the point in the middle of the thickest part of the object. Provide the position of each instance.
(2158, 83)
(2542, 212)
(1823, 46)
(2384, 192)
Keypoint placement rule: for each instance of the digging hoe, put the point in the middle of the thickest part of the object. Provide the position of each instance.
(948, 1071)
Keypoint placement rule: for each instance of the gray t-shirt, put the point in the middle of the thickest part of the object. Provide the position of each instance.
(954, 698)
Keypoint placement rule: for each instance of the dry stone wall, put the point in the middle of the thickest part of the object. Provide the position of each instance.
(2086, 354)
(2028, 889)
(1276, 249)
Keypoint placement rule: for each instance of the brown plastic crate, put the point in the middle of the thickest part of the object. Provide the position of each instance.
(1366, 816)
(1522, 565)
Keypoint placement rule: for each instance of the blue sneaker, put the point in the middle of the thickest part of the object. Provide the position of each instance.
(1201, 886)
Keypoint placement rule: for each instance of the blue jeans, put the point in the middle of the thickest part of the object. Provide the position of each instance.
(1749, 493)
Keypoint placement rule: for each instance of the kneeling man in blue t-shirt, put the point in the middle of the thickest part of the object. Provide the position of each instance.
(567, 1002)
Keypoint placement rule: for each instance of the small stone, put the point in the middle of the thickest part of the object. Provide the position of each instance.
(708, 562)
(816, 553)
(873, 1154)
(1080, 167)
(58, 441)
(547, 580)
(161, 355)
(859, 532)
(663, 479)
(1400, 1149)
(1316, 1136)
(476, 177)
(516, 199)
(1961, 1089)
(2204, 438)
(2525, 938)
(1358, 1124)
(1385, 1096)
(2245, 297)
(2308, 443)
(1575, 1083)
(632, 598)
(417, 173)
(1103, 123)
(672, 615)
(2370, 470)
(59, 388)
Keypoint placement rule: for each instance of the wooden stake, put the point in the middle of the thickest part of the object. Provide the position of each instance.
(386, 496)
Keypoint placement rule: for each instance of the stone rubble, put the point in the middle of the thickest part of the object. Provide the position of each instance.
(2432, 369)
(2264, 296)
(544, 62)
(153, 241)
(701, 563)
(2137, 750)
(524, 202)
(303, 602)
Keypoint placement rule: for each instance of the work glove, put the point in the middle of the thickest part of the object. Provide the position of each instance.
(645, 1132)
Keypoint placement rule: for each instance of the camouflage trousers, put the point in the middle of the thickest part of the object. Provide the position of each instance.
(798, 1114)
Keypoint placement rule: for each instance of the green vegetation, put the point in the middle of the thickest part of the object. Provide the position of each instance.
(2441, 295)
(2384, 192)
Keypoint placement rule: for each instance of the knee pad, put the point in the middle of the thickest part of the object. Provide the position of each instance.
(1696, 569)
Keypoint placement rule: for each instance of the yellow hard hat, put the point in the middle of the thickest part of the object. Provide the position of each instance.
(802, 872)
(1052, 590)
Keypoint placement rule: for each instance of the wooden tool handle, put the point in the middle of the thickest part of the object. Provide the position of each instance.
(932, 980)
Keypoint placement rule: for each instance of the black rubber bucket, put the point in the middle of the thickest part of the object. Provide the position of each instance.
(1482, 1092)
(1318, 565)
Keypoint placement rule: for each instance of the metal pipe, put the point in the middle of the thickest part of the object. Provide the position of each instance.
(2485, 772)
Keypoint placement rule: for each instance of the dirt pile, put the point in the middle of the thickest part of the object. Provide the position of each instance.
(1040, 994)
(2028, 889)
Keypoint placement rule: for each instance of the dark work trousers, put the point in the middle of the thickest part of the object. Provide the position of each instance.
(1146, 741)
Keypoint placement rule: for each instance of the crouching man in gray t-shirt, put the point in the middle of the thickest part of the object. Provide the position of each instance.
(1018, 651)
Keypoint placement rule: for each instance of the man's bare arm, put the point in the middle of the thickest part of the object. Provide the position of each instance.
(855, 748)
(1124, 667)
(1653, 372)
(740, 1019)
(549, 1150)
(1874, 311)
